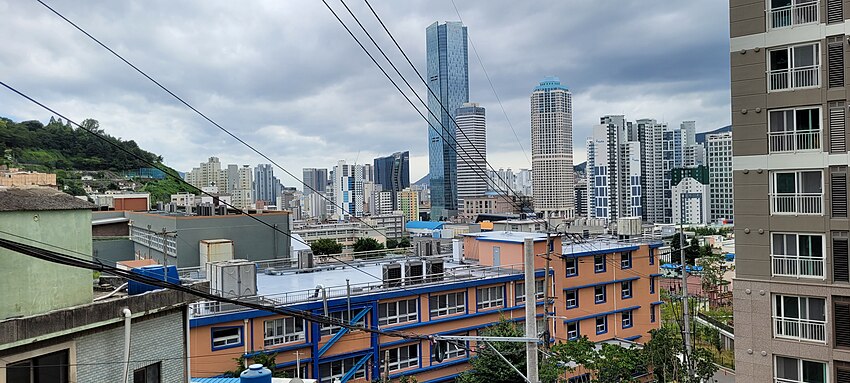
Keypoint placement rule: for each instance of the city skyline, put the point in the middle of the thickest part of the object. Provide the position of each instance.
(378, 121)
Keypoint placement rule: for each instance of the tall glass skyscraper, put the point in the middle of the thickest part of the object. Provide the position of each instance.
(448, 79)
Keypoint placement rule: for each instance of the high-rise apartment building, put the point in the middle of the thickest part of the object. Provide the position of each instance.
(393, 173)
(347, 190)
(552, 149)
(408, 203)
(472, 151)
(719, 154)
(655, 177)
(789, 104)
(316, 179)
(266, 186)
(243, 192)
(615, 174)
(207, 174)
(448, 84)
(690, 196)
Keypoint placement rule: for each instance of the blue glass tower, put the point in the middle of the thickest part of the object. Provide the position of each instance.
(448, 79)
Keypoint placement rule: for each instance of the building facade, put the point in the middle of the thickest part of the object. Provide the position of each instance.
(719, 153)
(472, 152)
(615, 170)
(347, 190)
(448, 89)
(552, 149)
(789, 106)
(408, 203)
(266, 186)
(315, 179)
(691, 196)
(490, 203)
(393, 173)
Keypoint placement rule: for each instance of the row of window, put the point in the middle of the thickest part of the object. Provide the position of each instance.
(601, 323)
(600, 263)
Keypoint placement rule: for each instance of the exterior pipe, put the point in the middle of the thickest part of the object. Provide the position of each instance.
(128, 316)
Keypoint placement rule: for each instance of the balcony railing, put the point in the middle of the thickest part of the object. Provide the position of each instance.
(792, 141)
(797, 267)
(794, 78)
(799, 329)
(794, 14)
(797, 203)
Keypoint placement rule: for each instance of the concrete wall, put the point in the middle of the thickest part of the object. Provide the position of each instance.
(113, 249)
(34, 286)
(159, 337)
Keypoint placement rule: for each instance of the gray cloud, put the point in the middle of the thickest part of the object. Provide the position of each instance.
(287, 78)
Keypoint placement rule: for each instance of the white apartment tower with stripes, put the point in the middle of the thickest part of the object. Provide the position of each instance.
(552, 149)
(472, 151)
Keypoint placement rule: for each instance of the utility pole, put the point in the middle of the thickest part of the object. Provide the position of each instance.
(686, 317)
(546, 292)
(530, 312)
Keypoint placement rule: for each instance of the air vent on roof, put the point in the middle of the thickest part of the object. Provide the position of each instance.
(435, 270)
(392, 275)
(414, 272)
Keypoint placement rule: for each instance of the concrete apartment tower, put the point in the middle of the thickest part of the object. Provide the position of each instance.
(472, 152)
(552, 149)
(719, 154)
(448, 79)
(316, 179)
(789, 103)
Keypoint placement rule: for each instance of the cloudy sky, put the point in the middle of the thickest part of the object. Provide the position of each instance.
(287, 78)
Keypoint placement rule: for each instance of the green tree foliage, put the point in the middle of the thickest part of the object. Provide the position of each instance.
(662, 354)
(704, 231)
(267, 360)
(488, 367)
(367, 244)
(392, 243)
(608, 363)
(404, 242)
(692, 250)
(61, 146)
(326, 246)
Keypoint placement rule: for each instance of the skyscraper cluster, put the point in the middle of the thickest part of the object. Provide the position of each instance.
(246, 187)
(650, 170)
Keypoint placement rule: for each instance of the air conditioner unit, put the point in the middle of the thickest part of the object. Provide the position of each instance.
(233, 279)
(414, 272)
(435, 270)
(392, 275)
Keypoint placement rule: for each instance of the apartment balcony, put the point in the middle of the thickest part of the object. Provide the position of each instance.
(793, 15)
(797, 267)
(794, 141)
(794, 78)
(799, 329)
(796, 204)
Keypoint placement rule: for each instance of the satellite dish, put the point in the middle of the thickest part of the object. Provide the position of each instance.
(296, 380)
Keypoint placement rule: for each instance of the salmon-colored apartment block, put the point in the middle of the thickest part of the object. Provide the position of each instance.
(453, 297)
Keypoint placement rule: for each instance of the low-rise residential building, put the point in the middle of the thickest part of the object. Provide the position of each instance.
(392, 224)
(533, 225)
(14, 177)
(490, 203)
(343, 233)
(122, 201)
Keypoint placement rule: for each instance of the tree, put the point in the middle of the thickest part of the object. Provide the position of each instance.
(488, 367)
(662, 354)
(607, 363)
(404, 242)
(392, 243)
(712, 273)
(367, 244)
(267, 360)
(325, 246)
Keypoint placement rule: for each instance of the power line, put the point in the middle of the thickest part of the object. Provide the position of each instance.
(474, 50)
(198, 112)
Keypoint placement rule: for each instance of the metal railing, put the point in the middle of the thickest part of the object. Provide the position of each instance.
(799, 329)
(797, 267)
(794, 78)
(794, 14)
(454, 274)
(794, 140)
(797, 203)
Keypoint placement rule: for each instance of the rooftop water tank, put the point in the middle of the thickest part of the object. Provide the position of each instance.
(256, 373)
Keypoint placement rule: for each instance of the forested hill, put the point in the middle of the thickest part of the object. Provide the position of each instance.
(59, 145)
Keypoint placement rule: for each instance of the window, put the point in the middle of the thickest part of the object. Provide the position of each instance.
(454, 349)
(148, 374)
(799, 318)
(403, 357)
(487, 297)
(225, 337)
(794, 129)
(652, 285)
(651, 256)
(791, 370)
(599, 263)
(626, 318)
(794, 67)
(337, 369)
(572, 298)
(572, 266)
(797, 193)
(572, 331)
(652, 313)
(330, 329)
(519, 290)
(583, 378)
(626, 289)
(626, 260)
(797, 255)
(601, 325)
(447, 304)
(397, 312)
(52, 368)
(599, 294)
(283, 330)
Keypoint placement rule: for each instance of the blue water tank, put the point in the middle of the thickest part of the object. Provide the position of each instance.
(256, 373)
(163, 273)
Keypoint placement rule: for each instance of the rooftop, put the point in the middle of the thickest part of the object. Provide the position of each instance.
(507, 236)
(39, 199)
(427, 225)
(550, 83)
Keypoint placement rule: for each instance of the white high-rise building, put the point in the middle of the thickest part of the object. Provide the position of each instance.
(614, 170)
(720, 175)
(690, 196)
(207, 174)
(242, 191)
(472, 151)
(552, 149)
(654, 184)
(523, 182)
(347, 190)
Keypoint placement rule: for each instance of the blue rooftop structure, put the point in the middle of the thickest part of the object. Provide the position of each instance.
(424, 225)
(550, 83)
(676, 266)
(730, 257)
